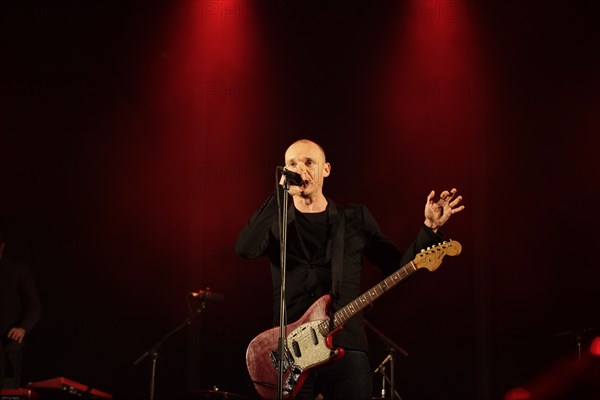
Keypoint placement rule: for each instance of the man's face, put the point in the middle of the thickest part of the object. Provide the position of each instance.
(307, 159)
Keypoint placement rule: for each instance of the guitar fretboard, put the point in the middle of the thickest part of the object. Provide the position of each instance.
(340, 317)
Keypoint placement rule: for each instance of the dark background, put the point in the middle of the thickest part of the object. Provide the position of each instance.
(136, 138)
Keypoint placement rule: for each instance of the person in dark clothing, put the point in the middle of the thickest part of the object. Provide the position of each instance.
(20, 311)
(326, 244)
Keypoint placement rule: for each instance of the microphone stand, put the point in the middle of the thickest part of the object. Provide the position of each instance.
(153, 351)
(578, 335)
(282, 311)
(391, 358)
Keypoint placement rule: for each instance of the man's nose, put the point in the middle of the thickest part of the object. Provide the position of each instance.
(301, 167)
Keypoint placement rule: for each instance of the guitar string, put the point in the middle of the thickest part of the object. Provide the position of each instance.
(348, 311)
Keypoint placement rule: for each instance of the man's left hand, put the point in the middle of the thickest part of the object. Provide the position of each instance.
(437, 212)
(17, 334)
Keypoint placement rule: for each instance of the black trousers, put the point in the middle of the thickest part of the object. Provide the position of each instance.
(11, 365)
(348, 378)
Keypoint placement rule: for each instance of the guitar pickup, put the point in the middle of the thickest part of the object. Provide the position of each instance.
(296, 348)
(315, 338)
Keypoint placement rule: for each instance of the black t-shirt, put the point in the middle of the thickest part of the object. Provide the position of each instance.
(313, 231)
(310, 279)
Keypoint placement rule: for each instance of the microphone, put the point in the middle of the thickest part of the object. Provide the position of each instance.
(292, 177)
(207, 295)
(382, 365)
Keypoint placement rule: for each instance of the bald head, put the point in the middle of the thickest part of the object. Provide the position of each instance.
(307, 158)
(306, 144)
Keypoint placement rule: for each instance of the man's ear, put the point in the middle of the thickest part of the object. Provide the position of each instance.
(326, 169)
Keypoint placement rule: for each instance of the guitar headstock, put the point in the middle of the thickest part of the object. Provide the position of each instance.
(431, 258)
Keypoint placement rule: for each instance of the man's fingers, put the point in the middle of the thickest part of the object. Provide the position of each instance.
(430, 196)
(455, 202)
(16, 334)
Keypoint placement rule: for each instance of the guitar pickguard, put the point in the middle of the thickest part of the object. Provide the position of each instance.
(308, 346)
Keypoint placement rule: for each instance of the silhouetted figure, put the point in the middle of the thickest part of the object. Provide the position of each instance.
(20, 311)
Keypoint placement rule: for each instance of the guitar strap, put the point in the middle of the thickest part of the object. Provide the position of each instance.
(337, 256)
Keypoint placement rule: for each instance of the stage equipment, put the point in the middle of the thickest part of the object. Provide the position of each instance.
(204, 296)
(569, 378)
(282, 348)
(213, 394)
(392, 349)
(64, 389)
(18, 394)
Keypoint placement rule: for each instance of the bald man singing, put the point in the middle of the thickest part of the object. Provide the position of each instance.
(326, 244)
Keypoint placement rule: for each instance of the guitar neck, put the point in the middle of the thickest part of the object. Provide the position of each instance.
(340, 317)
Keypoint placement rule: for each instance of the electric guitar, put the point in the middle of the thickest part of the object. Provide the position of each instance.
(310, 343)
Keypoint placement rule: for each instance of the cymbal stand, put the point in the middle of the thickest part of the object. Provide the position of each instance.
(392, 348)
(153, 351)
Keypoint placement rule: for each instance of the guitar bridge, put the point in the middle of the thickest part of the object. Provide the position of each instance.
(288, 359)
(288, 365)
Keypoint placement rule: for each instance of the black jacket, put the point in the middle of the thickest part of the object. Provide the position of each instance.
(19, 301)
(336, 274)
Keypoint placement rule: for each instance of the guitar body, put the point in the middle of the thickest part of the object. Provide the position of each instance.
(309, 341)
(307, 347)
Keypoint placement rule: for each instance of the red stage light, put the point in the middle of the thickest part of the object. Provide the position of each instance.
(517, 394)
(595, 347)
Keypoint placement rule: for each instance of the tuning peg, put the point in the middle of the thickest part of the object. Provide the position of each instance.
(422, 250)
